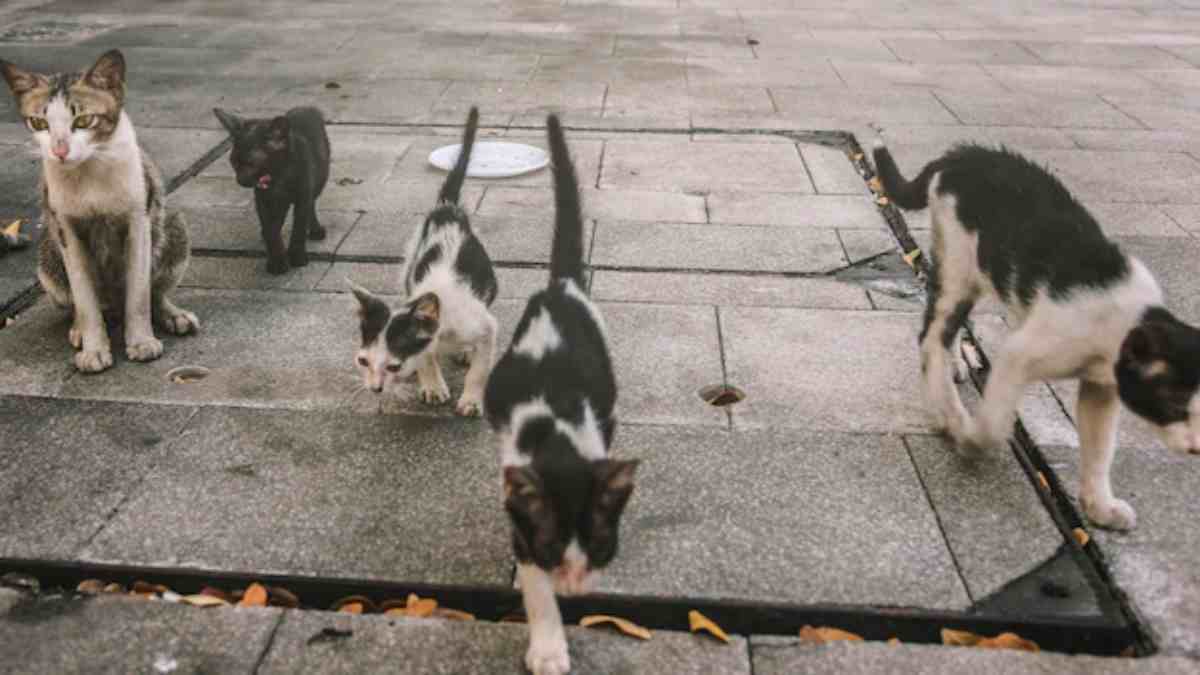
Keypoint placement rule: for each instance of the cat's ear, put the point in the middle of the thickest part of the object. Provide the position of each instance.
(365, 298)
(614, 482)
(427, 308)
(108, 72)
(232, 123)
(21, 81)
(1145, 344)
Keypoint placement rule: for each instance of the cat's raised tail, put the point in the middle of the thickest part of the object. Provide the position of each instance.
(454, 182)
(912, 195)
(566, 254)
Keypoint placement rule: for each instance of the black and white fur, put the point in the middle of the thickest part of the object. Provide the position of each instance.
(550, 399)
(1079, 307)
(449, 284)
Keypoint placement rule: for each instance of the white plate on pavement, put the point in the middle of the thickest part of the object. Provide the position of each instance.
(493, 159)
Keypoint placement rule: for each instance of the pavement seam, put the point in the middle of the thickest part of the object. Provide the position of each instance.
(724, 368)
(938, 518)
(807, 171)
(943, 104)
(1131, 116)
(262, 656)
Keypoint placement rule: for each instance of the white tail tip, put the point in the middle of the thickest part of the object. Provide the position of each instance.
(878, 144)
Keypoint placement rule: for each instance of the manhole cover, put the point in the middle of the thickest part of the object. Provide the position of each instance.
(722, 395)
(187, 374)
(493, 159)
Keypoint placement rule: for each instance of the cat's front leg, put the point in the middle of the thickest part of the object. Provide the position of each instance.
(471, 402)
(140, 343)
(433, 388)
(303, 219)
(547, 654)
(1096, 413)
(271, 215)
(87, 327)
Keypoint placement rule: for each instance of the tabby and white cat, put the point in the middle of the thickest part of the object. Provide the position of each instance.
(551, 399)
(109, 243)
(449, 284)
(1079, 306)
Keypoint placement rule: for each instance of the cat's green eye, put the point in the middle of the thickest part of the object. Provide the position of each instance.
(83, 122)
(38, 123)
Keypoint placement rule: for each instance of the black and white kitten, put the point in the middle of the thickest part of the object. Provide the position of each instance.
(449, 284)
(551, 399)
(286, 161)
(1079, 308)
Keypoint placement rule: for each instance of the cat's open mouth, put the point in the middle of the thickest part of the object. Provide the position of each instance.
(264, 181)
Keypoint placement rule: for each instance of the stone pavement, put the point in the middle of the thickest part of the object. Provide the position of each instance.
(722, 254)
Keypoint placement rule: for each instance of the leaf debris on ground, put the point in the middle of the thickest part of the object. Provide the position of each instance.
(1081, 536)
(822, 634)
(255, 596)
(624, 625)
(962, 638)
(699, 622)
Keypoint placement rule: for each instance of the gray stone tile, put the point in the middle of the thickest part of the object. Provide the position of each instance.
(538, 97)
(865, 244)
(958, 76)
(250, 273)
(237, 229)
(69, 464)
(1187, 216)
(506, 239)
(942, 137)
(1158, 141)
(1172, 261)
(34, 354)
(832, 171)
(726, 289)
(767, 208)
(683, 166)
(605, 69)
(657, 46)
(477, 648)
(1165, 112)
(959, 51)
(1071, 80)
(997, 544)
(845, 370)
(625, 205)
(717, 247)
(515, 283)
(805, 46)
(116, 634)
(378, 507)
(414, 168)
(819, 549)
(203, 192)
(174, 150)
(790, 657)
(546, 43)
(1008, 109)
(1131, 219)
(1104, 55)
(835, 108)
(762, 72)
(663, 356)
(1148, 177)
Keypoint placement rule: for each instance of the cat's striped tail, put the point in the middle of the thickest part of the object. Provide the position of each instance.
(566, 255)
(912, 195)
(454, 182)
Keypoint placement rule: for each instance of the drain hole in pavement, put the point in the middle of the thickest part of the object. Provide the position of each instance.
(187, 374)
(721, 395)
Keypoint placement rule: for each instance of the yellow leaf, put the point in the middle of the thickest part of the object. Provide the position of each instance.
(453, 614)
(90, 586)
(201, 600)
(1081, 536)
(623, 625)
(13, 229)
(255, 596)
(823, 634)
(911, 257)
(1008, 641)
(875, 185)
(699, 622)
(351, 608)
(959, 638)
(420, 607)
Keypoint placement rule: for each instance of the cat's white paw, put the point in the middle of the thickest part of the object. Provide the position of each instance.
(181, 322)
(75, 337)
(469, 406)
(434, 394)
(145, 348)
(548, 657)
(971, 438)
(1115, 514)
(962, 372)
(93, 360)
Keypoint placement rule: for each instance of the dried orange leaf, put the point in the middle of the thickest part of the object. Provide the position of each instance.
(625, 626)
(959, 638)
(911, 257)
(420, 607)
(282, 597)
(1081, 536)
(351, 608)
(146, 587)
(114, 588)
(204, 600)
(823, 634)
(875, 185)
(893, 641)
(882, 201)
(1008, 641)
(453, 614)
(1042, 481)
(13, 229)
(90, 586)
(217, 593)
(698, 621)
(255, 596)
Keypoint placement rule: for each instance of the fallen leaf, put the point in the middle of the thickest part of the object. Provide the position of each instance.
(1129, 652)
(1042, 481)
(114, 588)
(255, 596)
(875, 185)
(962, 638)
(698, 622)
(13, 230)
(893, 641)
(911, 257)
(217, 593)
(349, 181)
(146, 587)
(625, 626)
(882, 201)
(202, 600)
(515, 617)
(365, 606)
(332, 85)
(1081, 536)
(351, 608)
(420, 607)
(90, 586)
(751, 41)
(824, 634)
(143, 595)
(959, 638)
(282, 597)
(453, 614)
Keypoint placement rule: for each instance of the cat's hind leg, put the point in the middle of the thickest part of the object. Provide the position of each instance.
(52, 276)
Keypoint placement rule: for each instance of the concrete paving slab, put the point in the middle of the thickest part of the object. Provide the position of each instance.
(612, 70)
(478, 648)
(434, 66)
(506, 96)
(818, 549)
(957, 76)
(116, 634)
(414, 167)
(1168, 112)
(1186, 216)
(1102, 55)
(506, 239)
(250, 273)
(1133, 219)
(726, 289)
(237, 229)
(772, 208)
(762, 72)
(34, 354)
(177, 149)
(1009, 109)
(941, 137)
(863, 245)
(656, 46)
(1072, 80)
(607, 205)
(788, 656)
(315, 504)
(832, 171)
(717, 247)
(69, 465)
(683, 166)
(1149, 177)
(960, 51)
(851, 107)
(514, 282)
(811, 48)
(994, 545)
(845, 371)
(581, 43)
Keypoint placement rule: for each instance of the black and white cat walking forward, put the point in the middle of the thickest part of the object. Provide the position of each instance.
(551, 399)
(449, 284)
(1079, 307)
(109, 242)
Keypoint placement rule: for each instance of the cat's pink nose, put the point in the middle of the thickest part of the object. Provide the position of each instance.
(61, 150)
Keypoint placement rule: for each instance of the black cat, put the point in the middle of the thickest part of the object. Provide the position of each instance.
(286, 161)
